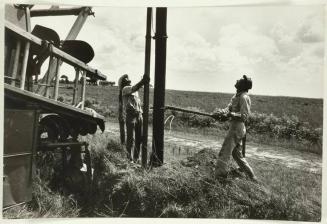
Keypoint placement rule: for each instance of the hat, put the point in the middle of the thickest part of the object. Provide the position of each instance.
(244, 84)
(120, 80)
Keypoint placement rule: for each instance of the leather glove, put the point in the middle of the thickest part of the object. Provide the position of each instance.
(146, 79)
(220, 115)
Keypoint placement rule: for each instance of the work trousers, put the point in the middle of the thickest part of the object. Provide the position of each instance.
(122, 131)
(232, 146)
(134, 136)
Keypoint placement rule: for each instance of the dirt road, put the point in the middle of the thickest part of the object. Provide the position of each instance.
(179, 143)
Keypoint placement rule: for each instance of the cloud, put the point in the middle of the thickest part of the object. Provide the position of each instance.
(118, 40)
(246, 44)
(281, 48)
(311, 30)
(286, 41)
(191, 53)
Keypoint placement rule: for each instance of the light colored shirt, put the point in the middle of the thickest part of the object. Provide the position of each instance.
(240, 106)
(131, 101)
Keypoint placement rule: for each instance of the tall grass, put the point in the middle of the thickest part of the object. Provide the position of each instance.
(45, 204)
(287, 131)
(187, 188)
(181, 188)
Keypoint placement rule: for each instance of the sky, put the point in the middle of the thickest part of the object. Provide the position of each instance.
(208, 48)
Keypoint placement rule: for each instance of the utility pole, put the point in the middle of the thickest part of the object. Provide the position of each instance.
(146, 88)
(159, 87)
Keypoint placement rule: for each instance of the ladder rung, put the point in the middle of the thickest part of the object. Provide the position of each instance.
(11, 78)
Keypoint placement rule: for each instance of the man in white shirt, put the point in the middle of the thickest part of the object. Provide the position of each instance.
(132, 114)
(238, 111)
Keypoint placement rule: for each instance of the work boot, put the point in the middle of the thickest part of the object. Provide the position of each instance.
(254, 179)
(221, 169)
(129, 157)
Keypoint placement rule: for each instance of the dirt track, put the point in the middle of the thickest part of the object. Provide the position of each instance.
(191, 143)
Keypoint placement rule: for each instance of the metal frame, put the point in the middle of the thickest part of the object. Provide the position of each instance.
(55, 51)
(33, 146)
(74, 31)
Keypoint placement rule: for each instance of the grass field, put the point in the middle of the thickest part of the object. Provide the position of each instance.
(181, 188)
(186, 186)
(276, 120)
(306, 109)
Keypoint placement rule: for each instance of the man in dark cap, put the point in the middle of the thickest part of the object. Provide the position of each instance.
(132, 114)
(237, 111)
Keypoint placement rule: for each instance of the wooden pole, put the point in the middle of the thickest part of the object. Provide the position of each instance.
(26, 50)
(75, 86)
(187, 111)
(56, 91)
(146, 88)
(46, 94)
(16, 62)
(83, 88)
(159, 87)
(57, 12)
(11, 62)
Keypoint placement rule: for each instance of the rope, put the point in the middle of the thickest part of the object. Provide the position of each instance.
(171, 116)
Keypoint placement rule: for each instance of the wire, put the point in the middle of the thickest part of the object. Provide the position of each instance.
(172, 118)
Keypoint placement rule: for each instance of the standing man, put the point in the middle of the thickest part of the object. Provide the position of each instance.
(238, 111)
(132, 114)
(120, 110)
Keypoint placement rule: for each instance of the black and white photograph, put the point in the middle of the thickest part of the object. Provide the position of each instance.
(191, 111)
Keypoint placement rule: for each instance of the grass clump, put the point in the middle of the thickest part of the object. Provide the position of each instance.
(45, 203)
(182, 189)
(188, 189)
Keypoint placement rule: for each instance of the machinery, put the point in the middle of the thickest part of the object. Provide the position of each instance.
(35, 122)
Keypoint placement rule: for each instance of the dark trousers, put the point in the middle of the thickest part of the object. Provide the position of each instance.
(134, 135)
(122, 131)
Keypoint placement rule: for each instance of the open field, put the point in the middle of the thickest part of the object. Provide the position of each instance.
(185, 186)
(289, 186)
(280, 121)
(306, 109)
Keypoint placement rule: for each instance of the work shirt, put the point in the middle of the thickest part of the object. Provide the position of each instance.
(240, 106)
(131, 103)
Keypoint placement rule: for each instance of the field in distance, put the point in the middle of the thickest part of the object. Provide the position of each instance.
(306, 109)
